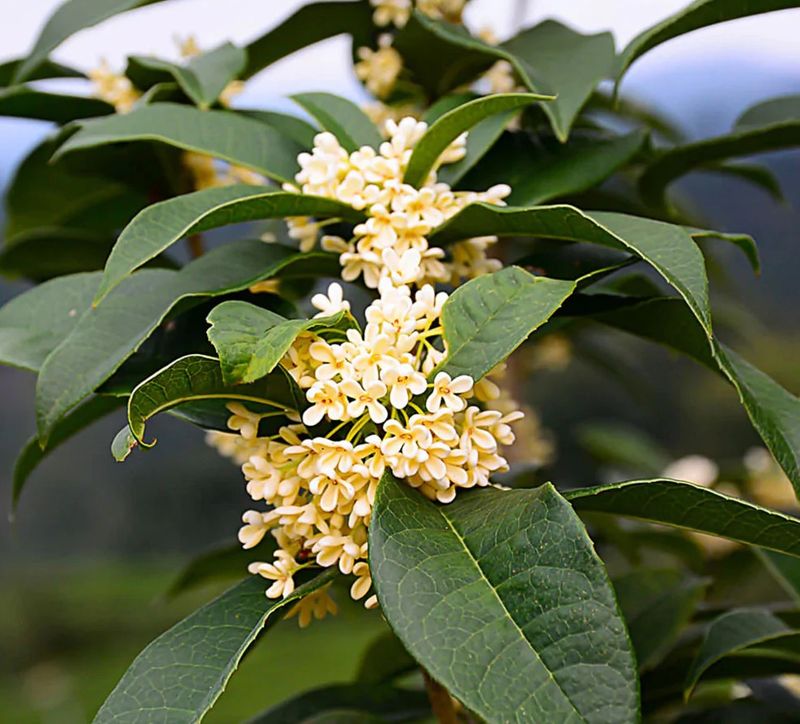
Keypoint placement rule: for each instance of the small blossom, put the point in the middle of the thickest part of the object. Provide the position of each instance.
(446, 392)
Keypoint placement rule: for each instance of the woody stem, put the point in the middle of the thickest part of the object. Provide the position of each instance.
(441, 702)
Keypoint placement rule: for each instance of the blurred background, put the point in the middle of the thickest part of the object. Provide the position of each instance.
(94, 544)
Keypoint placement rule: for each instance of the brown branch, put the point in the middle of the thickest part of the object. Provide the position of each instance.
(442, 703)
(195, 242)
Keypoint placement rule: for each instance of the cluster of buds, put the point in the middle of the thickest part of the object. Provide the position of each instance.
(376, 403)
(392, 243)
(397, 12)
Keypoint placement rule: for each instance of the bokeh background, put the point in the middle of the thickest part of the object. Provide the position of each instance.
(93, 547)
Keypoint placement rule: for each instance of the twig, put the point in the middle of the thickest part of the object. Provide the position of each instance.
(441, 702)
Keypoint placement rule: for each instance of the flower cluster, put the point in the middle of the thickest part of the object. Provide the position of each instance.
(397, 12)
(376, 402)
(392, 243)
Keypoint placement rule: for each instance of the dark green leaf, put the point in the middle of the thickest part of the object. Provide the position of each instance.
(34, 323)
(378, 703)
(42, 254)
(221, 134)
(743, 141)
(44, 195)
(774, 412)
(310, 24)
(202, 79)
(561, 169)
(180, 675)
(699, 14)
(32, 454)
(729, 634)
(744, 241)
(560, 61)
(221, 563)
(295, 128)
(753, 173)
(342, 118)
(23, 102)
(69, 18)
(668, 248)
(197, 377)
(657, 605)
(251, 341)
(785, 569)
(107, 335)
(501, 597)
(487, 318)
(47, 69)
(384, 660)
(452, 124)
(684, 505)
(623, 447)
(480, 141)
(159, 226)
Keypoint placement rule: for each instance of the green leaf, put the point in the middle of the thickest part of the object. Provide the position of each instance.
(251, 341)
(487, 318)
(549, 58)
(202, 79)
(23, 102)
(342, 118)
(562, 169)
(657, 605)
(198, 377)
(501, 597)
(297, 129)
(310, 24)
(180, 675)
(699, 14)
(729, 634)
(32, 454)
(688, 506)
(46, 69)
(221, 563)
(775, 110)
(754, 174)
(105, 336)
(34, 323)
(159, 226)
(222, 134)
(384, 703)
(774, 412)
(744, 141)
(452, 124)
(669, 249)
(745, 242)
(384, 660)
(69, 18)
(785, 569)
(565, 63)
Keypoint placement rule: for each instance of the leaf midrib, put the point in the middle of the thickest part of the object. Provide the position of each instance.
(521, 633)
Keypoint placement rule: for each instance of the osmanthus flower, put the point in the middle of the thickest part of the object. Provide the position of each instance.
(374, 404)
(397, 12)
(392, 243)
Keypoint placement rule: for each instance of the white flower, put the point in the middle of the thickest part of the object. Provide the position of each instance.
(365, 398)
(404, 381)
(327, 400)
(379, 68)
(253, 530)
(280, 571)
(402, 269)
(446, 392)
(331, 303)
